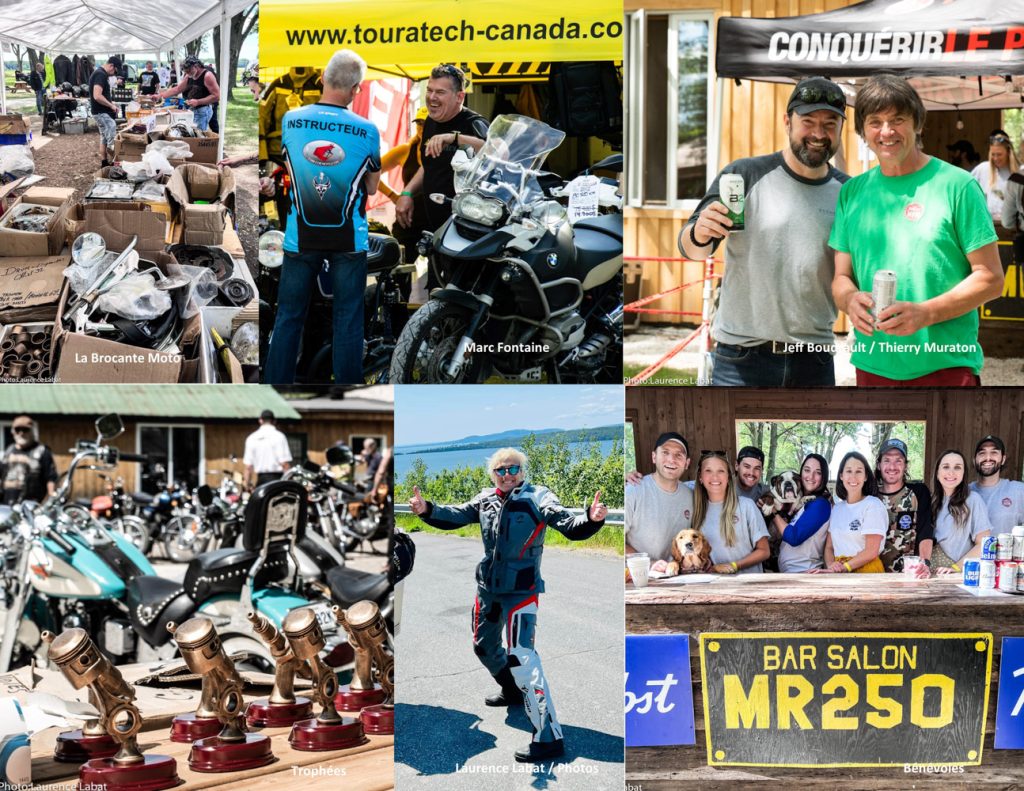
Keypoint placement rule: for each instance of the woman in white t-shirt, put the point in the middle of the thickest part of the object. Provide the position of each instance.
(732, 525)
(858, 522)
(960, 517)
(992, 174)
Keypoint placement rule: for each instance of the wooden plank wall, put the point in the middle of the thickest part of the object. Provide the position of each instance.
(751, 125)
(707, 416)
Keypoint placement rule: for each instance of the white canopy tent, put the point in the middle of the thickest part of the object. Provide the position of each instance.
(107, 26)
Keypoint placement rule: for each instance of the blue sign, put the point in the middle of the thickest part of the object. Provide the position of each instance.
(659, 698)
(1010, 703)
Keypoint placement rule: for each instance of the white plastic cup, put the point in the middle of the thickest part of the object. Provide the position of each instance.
(639, 564)
(911, 564)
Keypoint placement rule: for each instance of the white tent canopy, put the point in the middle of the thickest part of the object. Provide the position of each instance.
(106, 26)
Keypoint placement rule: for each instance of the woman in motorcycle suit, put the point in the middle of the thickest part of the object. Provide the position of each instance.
(513, 518)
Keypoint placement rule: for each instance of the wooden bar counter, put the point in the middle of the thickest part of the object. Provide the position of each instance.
(843, 603)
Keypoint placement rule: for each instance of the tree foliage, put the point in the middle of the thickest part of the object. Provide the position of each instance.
(574, 474)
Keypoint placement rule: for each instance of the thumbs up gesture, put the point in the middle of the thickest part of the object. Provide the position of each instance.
(417, 503)
(598, 510)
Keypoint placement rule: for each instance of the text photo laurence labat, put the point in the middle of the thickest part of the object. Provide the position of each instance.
(860, 230)
(511, 641)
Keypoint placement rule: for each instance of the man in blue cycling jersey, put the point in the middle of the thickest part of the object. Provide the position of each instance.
(333, 158)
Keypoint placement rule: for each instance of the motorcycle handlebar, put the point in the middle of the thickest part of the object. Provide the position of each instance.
(344, 487)
(60, 541)
(141, 459)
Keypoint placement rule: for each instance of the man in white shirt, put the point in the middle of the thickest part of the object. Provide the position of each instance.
(1003, 498)
(658, 507)
(266, 452)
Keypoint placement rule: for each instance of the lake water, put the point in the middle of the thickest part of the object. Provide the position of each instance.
(450, 459)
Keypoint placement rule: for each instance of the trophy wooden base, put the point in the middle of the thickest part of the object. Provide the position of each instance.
(189, 728)
(216, 755)
(264, 714)
(313, 736)
(354, 700)
(378, 719)
(75, 747)
(154, 773)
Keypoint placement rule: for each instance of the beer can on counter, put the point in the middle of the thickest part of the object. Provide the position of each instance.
(987, 576)
(730, 188)
(1004, 549)
(1018, 543)
(989, 545)
(883, 291)
(1020, 578)
(1006, 574)
(972, 573)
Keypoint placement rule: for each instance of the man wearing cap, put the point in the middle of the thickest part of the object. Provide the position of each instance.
(26, 468)
(267, 455)
(200, 89)
(658, 507)
(749, 468)
(773, 326)
(102, 109)
(928, 223)
(909, 506)
(1003, 497)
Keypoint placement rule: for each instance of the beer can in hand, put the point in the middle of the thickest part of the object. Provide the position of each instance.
(730, 187)
(883, 291)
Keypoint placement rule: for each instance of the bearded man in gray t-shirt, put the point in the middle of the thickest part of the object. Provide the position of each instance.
(660, 506)
(1003, 497)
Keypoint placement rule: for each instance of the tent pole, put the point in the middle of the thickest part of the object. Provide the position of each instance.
(223, 66)
(3, 81)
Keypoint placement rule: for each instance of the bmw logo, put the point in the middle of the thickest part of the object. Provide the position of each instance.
(552, 260)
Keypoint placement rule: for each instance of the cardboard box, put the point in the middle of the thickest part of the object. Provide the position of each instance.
(129, 147)
(14, 131)
(22, 244)
(202, 223)
(31, 288)
(203, 148)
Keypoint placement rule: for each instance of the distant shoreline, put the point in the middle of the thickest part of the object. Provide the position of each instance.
(600, 434)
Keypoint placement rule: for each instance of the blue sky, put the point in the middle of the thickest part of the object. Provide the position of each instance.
(442, 413)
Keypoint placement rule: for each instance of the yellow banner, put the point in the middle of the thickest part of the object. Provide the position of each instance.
(412, 35)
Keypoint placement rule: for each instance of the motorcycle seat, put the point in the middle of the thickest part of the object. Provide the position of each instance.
(223, 571)
(152, 602)
(351, 585)
(383, 254)
(608, 224)
(142, 498)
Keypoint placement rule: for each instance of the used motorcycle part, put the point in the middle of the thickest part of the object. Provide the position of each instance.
(180, 130)
(368, 636)
(282, 708)
(232, 749)
(329, 731)
(29, 217)
(216, 260)
(88, 248)
(237, 291)
(110, 190)
(77, 313)
(16, 371)
(172, 282)
(271, 253)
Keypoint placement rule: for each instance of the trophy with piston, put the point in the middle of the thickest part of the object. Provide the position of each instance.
(329, 731)
(127, 769)
(232, 748)
(368, 636)
(282, 708)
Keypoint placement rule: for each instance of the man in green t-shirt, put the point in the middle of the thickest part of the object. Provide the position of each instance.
(927, 221)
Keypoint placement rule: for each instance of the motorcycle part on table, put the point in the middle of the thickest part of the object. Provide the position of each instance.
(29, 217)
(232, 748)
(26, 351)
(527, 295)
(83, 665)
(283, 707)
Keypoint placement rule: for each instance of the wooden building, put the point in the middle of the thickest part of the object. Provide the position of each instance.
(707, 417)
(196, 432)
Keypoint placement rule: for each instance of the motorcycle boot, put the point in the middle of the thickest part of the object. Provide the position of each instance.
(509, 695)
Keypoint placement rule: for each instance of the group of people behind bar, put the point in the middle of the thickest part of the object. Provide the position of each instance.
(875, 518)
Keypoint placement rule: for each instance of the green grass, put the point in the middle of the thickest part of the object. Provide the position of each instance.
(243, 117)
(666, 376)
(608, 538)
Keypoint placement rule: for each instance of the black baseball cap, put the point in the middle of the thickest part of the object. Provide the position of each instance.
(114, 61)
(893, 444)
(672, 436)
(750, 452)
(817, 93)
(1000, 445)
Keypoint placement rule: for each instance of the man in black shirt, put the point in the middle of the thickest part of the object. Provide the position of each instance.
(37, 81)
(149, 81)
(449, 126)
(27, 470)
(104, 111)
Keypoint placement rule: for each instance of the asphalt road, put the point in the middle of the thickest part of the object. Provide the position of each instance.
(446, 738)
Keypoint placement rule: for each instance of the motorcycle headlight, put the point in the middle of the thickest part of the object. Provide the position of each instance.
(482, 210)
(271, 253)
(551, 214)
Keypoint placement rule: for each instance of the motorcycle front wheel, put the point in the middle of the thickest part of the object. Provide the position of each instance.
(136, 530)
(427, 343)
(184, 539)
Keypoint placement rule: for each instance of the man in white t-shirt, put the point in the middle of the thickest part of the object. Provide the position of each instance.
(1003, 498)
(266, 452)
(658, 507)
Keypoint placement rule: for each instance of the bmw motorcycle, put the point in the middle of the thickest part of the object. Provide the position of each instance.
(527, 293)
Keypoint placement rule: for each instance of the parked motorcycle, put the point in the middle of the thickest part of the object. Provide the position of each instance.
(527, 293)
(117, 509)
(214, 521)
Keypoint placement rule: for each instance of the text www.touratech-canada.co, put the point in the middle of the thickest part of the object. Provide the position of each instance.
(462, 32)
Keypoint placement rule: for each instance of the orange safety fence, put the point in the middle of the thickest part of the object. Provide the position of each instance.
(703, 330)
